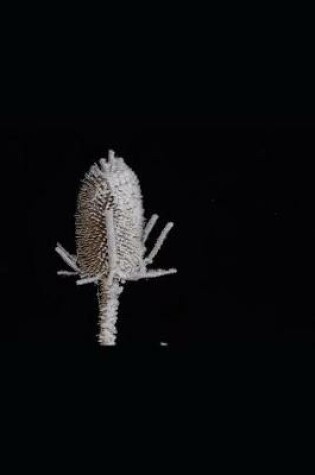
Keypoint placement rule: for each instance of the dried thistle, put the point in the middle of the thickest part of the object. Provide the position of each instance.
(111, 235)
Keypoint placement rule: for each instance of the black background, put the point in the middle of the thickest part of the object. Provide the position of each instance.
(240, 190)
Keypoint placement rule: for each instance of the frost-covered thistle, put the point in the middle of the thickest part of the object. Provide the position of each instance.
(111, 234)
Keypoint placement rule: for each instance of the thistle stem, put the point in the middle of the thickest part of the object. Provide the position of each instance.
(108, 308)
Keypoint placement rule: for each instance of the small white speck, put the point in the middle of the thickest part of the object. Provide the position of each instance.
(163, 343)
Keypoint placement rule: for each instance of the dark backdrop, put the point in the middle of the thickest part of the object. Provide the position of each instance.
(240, 190)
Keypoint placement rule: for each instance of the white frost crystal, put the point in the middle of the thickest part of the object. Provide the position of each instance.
(111, 236)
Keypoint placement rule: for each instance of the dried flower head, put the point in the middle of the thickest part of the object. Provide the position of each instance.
(111, 235)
